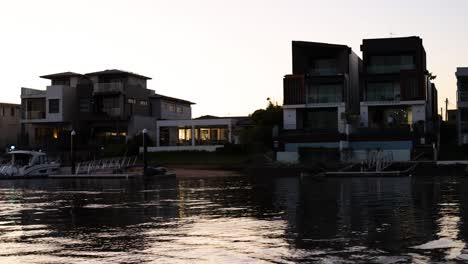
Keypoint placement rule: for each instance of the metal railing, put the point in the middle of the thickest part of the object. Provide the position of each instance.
(109, 87)
(29, 115)
(94, 166)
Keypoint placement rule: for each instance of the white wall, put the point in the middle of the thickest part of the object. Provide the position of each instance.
(55, 92)
(364, 116)
(341, 121)
(287, 157)
(289, 119)
(419, 113)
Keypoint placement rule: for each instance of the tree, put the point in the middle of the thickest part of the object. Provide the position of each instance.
(432, 76)
(259, 136)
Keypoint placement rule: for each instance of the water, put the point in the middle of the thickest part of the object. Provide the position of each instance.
(235, 220)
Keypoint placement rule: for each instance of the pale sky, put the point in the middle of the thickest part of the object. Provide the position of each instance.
(227, 56)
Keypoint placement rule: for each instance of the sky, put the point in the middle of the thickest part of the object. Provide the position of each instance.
(226, 56)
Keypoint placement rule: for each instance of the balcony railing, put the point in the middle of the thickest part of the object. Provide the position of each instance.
(324, 99)
(31, 115)
(113, 112)
(115, 87)
(372, 97)
(389, 68)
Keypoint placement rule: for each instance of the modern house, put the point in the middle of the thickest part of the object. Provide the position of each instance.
(321, 97)
(47, 115)
(206, 133)
(384, 103)
(102, 107)
(397, 95)
(10, 126)
(462, 105)
(398, 100)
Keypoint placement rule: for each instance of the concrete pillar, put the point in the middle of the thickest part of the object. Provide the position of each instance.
(157, 134)
(192, 131)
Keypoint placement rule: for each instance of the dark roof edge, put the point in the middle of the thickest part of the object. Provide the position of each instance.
(160, 96)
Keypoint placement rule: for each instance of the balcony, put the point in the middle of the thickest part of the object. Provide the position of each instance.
(325, 93)
(34, 115)
(376, 69)
(325, 99)
(112, 112)
(114, 87)
(27, 92)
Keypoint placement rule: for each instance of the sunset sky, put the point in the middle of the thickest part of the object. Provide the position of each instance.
(227, 56)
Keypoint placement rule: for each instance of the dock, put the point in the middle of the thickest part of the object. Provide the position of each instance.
(93, 176)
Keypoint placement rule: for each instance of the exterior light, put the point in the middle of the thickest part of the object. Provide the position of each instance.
(144, 131)
(73, 133)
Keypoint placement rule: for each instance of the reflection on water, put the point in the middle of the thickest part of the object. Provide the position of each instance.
(234, 220)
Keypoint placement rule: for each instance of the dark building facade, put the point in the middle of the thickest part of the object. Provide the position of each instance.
(102, 107)
(396, 91)
(385, 102)
(320, 94)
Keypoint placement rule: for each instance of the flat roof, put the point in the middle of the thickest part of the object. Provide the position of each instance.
(394, 38)
(462, 71)
(168, 98)
(318, 44)
(18, 105)
(115, 71)
(60, 75)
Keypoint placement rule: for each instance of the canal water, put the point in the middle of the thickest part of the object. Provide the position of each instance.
(235, 220)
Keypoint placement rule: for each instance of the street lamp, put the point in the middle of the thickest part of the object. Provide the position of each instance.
(145, 149)
(72, 150)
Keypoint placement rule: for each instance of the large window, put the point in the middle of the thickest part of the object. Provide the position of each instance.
(384, 117)
(383, 91)
(390, 64)
(325, 93)
(54, 106)
(321, 119)
(111, 105)
(324, 67)
(85, 105)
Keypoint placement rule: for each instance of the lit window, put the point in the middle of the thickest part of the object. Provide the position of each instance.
(131, 101)
(145, 103)
(171, 107)
(179, 109)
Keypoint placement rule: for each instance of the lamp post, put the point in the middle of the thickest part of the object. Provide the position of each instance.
(72, 150)
(145, 149)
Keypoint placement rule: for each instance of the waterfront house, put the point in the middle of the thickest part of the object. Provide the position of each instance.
(206, 133)
(333, 100)
(103, 107)
(397, 94)
(321, 96)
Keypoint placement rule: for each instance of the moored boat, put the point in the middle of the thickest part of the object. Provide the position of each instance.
(25, 164)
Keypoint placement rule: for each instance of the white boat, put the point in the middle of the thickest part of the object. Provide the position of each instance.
(25, 163)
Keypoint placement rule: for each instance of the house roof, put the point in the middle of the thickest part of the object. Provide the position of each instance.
(60, 75)
(309, 44)
(115, 71)
(168, 98)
